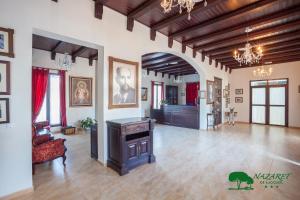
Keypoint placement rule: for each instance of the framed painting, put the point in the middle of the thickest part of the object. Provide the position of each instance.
(123, 83)
(81, 91)
(209, 92)
(225, 93)
(144, 94)
(238, 99)
(4, 110)
(4, 77)
(202, 94)
(6, 42)
(238, 91)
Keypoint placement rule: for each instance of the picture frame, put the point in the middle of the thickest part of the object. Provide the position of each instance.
(144, 94)
(238, 99)
(209, 92)
(238, 91)
(4, 77)
(4, 111)
(123, 83)
(202, 94)
(80, 91)
(298, 88)
(7, 42)
(225, 93)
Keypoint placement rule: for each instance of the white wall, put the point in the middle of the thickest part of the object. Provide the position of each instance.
(241, 78)
(80, 68)
(74, 20)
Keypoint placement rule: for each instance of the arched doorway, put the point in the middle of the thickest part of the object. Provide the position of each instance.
(170, 90)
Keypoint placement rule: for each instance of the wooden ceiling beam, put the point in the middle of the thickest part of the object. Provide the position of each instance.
(252, 35)
(54, 49)
(256, 22)
(98, 9)
(184, 15)
(219, 18)
(183, 74)
(275, 38)
(174, 59)
(234, 67)
(267, 54)
(139, 11)
(281, 46)
(187, 67)
(78, 53)
(93, 57)
(269, 59)
(181, 64)
(158, 59)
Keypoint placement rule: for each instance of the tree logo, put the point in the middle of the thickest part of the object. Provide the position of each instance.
(241, 179)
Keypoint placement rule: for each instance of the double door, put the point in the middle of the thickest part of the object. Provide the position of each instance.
(138, 148)
(269, 102)
(172, 94)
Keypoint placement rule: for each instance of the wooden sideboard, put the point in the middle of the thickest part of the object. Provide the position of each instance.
(130, 143)
(94, 141)
(177, 115)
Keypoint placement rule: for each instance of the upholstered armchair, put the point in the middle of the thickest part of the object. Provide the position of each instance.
(40, 126)
(45, 148)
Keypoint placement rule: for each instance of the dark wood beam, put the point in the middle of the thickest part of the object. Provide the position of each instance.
(252, 35)
(98, 9)
(93, 57)
(55, 1)
(219, 18)
(158, 62)
(176, 17)
(183, 74)
(275, 38)
(281, 46)
(182, 64)
(177, 69)
(234, 67)
(157, 59)
(268, 59)
(78, 53)
(256, 22)
(280, 51)
(53, 50)
(139, 11)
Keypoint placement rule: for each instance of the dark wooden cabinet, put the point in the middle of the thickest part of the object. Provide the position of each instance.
(94, 141)
(130, 143)
(172, 94)
(177, 115)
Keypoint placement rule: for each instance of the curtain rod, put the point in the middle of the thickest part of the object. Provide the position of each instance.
(34, 67)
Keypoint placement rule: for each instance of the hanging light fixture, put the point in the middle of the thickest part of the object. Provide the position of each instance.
(249, 56)
(167, 5)
(263, 71)
(65, 62)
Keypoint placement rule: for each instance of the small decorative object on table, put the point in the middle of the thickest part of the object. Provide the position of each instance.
(69, 130)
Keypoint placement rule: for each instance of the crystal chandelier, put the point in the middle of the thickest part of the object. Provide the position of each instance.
(65, 62)
(167, 5)
(263, 71)
(249, 56)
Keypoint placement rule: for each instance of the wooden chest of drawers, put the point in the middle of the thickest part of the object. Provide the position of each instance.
(130, 143)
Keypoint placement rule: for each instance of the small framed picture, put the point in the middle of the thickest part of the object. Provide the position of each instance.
(225, 93)
(4, 110)
(238, 91)
(4, 77)
(202, 94)
(81, 92)
(144, 94)
(209, 92)
(238, 99)
(6, 42)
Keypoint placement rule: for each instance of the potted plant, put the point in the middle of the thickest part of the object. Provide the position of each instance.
(87, 123)
(163, 102)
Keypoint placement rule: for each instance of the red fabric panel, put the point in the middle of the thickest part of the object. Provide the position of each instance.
(39, 88)
(152, 94)
(63, 113)
(192, 93)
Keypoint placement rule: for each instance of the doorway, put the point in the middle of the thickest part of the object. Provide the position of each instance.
(269, 102)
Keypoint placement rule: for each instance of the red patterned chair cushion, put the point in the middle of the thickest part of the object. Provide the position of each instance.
(48, 151)
(39, 139)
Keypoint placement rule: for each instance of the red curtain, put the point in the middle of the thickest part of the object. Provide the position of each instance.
(152, 93)
(39, 88)
(192, 93)
(62, 84)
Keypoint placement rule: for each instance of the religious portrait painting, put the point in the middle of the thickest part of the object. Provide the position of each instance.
(81, 93)
(123, 83)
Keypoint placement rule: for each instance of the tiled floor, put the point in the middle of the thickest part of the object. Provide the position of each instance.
(190, 165)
